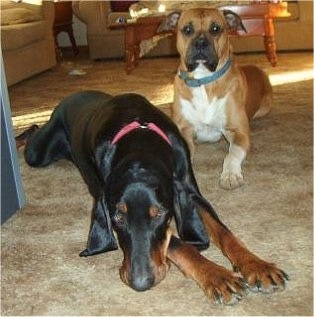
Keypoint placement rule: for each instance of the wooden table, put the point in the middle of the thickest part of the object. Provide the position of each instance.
(256, 17)
(136, 32)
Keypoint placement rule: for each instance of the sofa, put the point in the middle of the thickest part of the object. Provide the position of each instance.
(27, 41)
(105, 42)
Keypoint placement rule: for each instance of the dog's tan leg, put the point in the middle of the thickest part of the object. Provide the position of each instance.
(184, 126)
(187, 132)
(219, 284)
(260, 275)
(238, 139)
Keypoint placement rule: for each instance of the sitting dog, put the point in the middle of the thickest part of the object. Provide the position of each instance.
(213, 96)
(138, 170)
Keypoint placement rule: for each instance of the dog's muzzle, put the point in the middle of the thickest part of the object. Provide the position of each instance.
(142, 278)
(144, 272)
(201, 50)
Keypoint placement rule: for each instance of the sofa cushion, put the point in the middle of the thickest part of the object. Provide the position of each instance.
(16, 36)
(18, 16)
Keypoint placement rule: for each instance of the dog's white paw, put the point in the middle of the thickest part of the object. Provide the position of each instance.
(231, 176)
(229, 180)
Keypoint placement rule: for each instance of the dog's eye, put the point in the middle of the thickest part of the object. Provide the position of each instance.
(122, 207)
(156, 212)
(120, 214)
(215, 29)
(188, 30)
(160, 213)
(119, 218)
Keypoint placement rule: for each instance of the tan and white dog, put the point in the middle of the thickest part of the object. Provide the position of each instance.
(213, 96)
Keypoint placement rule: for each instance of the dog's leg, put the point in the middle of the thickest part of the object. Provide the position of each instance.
(219, 284)
(260, 275)
(22, 138)
(184, 126)
(238, 138)
(187, 132)
(47, 145)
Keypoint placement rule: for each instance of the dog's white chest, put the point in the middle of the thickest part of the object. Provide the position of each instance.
(207, 115)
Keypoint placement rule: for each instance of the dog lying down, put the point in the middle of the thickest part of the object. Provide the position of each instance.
(137, 168)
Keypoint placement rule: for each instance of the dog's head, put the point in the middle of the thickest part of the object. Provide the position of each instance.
(137, 203)
(202, 35)
(141, 208)
(139, 200)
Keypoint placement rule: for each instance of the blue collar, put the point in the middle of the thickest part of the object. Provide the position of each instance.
(191, 82)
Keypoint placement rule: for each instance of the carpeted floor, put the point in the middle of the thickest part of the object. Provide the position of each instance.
(42, 273)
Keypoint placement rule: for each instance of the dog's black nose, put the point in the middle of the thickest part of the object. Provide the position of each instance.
(141, 277)
(201, 42)
(142, 283)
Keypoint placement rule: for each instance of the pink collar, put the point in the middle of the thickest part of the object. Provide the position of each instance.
(136, 125)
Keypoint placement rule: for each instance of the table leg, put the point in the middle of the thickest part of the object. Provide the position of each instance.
(129, 39)
(136, 54)
(269, 41)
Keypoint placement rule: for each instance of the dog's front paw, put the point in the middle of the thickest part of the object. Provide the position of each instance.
(223, 286)
(230, 180)
(263, 276)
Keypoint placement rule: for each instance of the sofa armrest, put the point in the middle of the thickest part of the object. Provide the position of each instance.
(48, 11)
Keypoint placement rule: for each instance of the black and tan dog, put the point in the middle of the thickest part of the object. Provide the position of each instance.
(213, 96)
(137, 168)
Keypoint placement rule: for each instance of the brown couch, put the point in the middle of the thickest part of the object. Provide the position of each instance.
(27, 40)
(294, 33)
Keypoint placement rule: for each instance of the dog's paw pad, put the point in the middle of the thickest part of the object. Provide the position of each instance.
(231, 180)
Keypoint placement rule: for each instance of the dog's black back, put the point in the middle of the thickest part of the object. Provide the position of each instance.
(83, 125)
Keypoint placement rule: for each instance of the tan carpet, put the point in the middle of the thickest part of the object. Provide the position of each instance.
(42, 273)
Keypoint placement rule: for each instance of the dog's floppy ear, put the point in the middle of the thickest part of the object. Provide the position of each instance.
(170, 22)
(101, 237)
(234, 21)
(189, 224)
(104, 154)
